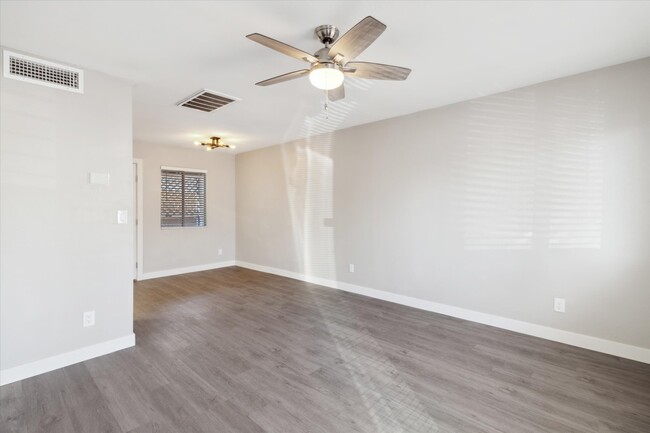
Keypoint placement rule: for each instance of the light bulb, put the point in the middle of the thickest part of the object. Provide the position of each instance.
(326, 76)
(197, 143)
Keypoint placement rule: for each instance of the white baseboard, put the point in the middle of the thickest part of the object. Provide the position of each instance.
(186, 270)
(10, 375)
(622, 350)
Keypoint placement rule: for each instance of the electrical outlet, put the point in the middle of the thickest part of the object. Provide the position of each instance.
(220, 251)
(559, 305)
(351, 267)
(89, 318)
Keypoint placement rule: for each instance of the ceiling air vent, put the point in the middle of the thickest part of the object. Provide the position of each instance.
(38, 71)
(207, 100)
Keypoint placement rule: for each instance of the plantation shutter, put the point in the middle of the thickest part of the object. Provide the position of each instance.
(182, 198)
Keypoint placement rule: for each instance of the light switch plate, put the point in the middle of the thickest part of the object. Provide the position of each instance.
(122, 217)
(99, 178)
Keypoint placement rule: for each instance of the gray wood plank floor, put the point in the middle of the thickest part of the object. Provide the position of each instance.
(234, 350)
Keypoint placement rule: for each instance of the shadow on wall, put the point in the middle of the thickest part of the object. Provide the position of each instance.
(309, 180)
(524, 181)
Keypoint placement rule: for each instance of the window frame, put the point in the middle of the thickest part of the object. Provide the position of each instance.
(183, 171)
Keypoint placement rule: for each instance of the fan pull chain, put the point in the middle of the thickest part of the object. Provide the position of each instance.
(326, 106)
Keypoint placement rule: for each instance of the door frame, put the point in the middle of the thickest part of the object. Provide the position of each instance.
(139, 217)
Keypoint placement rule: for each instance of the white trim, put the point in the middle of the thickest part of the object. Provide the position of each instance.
(622, 350)
(139, 212)
(10, 375)
(7, 72)
(187, 170)
(186, 270)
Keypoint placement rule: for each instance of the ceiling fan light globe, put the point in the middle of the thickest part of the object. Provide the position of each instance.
(326, 77)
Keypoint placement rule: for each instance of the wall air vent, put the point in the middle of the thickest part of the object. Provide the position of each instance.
(207, 100)
(38, 71)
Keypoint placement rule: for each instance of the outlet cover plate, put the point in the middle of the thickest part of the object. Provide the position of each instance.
(89, 318)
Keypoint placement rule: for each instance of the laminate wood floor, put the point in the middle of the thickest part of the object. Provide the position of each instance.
(234, 350)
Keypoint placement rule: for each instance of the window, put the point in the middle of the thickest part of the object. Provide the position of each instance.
(182, 198)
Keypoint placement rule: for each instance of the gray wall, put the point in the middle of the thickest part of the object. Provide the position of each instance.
(496, 205)
(173, 248)
(62, 251)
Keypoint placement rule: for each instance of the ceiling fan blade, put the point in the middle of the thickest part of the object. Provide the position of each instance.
(376, 71)
(282, 47)
(284, 77)
(336, 94)
(358, 38)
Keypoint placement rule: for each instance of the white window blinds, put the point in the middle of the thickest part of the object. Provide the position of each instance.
(182, 198)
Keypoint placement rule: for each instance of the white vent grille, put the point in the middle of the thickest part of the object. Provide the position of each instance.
(207, 100)
(38, 71)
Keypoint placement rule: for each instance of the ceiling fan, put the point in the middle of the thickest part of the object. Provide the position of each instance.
(332, 63)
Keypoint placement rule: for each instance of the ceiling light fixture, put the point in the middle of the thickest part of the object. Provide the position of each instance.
(213, 144)
(326, 76)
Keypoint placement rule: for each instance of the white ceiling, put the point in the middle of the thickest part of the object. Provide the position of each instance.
(457, 50)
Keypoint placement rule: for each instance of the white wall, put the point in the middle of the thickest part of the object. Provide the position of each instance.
(174, 250)
(495, 205)
(62, 251)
